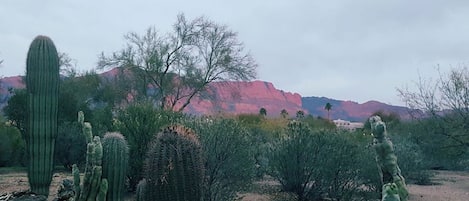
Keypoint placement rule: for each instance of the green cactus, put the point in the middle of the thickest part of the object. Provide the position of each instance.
(389, 170)
(115, 159)
(174, 167)
(141, 188)
(390, 192)
(93, 186)
(42, 83)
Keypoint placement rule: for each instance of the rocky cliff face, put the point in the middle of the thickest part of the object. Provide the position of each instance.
(245, 97)
(250, 97)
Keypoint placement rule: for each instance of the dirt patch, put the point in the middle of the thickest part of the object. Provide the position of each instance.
(450, 186)
(18, 181)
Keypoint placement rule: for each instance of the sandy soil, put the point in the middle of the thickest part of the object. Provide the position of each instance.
(450, 186)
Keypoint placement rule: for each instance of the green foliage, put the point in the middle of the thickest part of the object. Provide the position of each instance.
(70, 146)
(318, 123)
(263, 111)
(311, 163)
(411, 160)
(139, 123)
(42, 84)
(284, 113)
(229, 152)
(174, 166)
(250, 120)
(12, 146)
(17, 109)
(179, 65)
(392, 120)
(115, 159)
(300, 114)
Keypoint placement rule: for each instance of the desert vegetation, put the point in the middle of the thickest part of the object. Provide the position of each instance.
(135, 139)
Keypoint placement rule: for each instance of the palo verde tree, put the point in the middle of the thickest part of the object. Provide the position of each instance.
(179, 65)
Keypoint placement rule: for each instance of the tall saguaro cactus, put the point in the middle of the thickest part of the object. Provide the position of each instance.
(42, 84)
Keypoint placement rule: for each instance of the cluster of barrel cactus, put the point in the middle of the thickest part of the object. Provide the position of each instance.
(391, 178)
(173, 168)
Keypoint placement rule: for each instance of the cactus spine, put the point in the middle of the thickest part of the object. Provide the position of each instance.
(42, 83)
(93, 187)
(174, 167)
(115, 158)
(391, 178)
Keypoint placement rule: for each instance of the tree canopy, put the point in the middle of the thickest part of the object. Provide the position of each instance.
(179, 65)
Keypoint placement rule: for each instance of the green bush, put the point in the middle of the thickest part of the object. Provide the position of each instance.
(314, 163)
(411, 160)
(12, 147)
(230, 164)
(70, 145)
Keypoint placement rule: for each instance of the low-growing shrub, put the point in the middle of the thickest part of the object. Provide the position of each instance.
(316, 163)
(230, 164)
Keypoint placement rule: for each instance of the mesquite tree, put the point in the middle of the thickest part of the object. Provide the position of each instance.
(179, 65)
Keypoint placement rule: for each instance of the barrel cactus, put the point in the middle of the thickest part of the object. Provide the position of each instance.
(389, 170)
(174, 167)
(115, 159)
(42, 84)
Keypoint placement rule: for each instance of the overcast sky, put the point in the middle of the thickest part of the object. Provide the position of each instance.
(356, 50)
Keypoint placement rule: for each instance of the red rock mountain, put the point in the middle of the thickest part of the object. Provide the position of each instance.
(250, 97)
(246, 97)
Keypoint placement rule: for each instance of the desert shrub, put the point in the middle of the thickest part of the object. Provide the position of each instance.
(139, 123)
(12, 146)
(411, 160)
(70, 145)
(229, 158)
(314, 163)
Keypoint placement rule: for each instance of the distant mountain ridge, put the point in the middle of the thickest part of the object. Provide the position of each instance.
(248, 97)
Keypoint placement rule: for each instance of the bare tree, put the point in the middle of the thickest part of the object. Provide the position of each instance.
(445, 99)
(180, 64)
(67, 65)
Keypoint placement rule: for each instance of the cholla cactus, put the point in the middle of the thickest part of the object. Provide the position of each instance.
(389, 170)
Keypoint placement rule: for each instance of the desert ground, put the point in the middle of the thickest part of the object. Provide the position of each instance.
(449, 186)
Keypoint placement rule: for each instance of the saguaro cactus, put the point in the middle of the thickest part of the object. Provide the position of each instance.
(115, 159)
(389, 170)
(174, 167)
(42, 84)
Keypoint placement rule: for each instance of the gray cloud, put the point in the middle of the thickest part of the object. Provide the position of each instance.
(351, 50)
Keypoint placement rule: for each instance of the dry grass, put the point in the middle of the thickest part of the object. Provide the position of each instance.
(451, 186)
